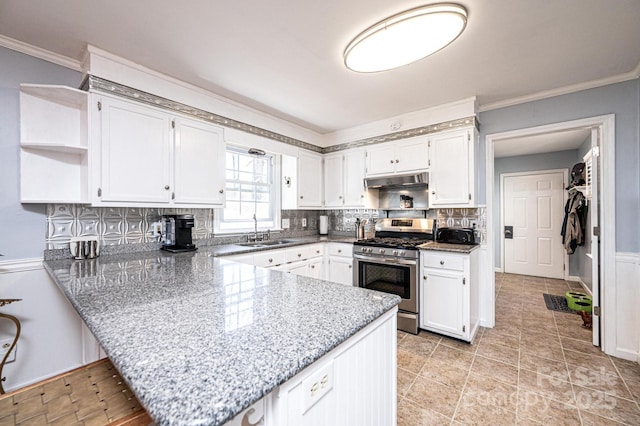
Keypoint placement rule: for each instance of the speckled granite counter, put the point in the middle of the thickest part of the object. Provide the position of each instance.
(200, 338)
(231, 249)
(454, 248)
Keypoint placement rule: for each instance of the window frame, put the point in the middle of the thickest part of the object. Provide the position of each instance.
(220, 226)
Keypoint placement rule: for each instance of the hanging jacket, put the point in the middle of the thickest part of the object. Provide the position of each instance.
(574, 221)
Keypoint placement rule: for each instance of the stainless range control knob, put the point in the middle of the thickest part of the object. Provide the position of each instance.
(395, 252)
(402, 253)
(382, 251)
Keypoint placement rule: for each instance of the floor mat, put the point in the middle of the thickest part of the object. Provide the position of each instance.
(557, 303)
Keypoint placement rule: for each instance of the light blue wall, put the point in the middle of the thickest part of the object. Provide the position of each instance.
(524, 163)
(22, 227)
(621, 99)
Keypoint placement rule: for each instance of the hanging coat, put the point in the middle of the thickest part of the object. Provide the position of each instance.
(574, 221)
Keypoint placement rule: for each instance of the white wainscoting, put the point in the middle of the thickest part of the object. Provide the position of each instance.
(627, 302)
(51, 338)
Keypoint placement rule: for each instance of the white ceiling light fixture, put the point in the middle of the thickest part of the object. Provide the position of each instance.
(406, 37)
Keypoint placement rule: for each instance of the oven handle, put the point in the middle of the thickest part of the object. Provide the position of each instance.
(387, 260)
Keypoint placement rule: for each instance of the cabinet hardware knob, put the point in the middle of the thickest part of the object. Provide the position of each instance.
(433, 192)
(221, 191)
(424, 277)
(313, 266)
(340, 197)
(442, 262)
(362, 196)
(339, 251)
(350, 266)
(301, 197)
(299, 254)
(270, 260)
(166, 187)
(397, 161)
(391, 161)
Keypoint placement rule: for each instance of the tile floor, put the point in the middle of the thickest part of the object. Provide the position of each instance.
(535, 367)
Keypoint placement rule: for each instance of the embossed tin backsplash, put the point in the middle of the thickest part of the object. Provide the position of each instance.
(118, 226)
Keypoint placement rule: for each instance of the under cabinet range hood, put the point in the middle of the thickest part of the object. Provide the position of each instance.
(398, 181)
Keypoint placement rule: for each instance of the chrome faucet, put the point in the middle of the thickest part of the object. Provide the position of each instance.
(255, 236)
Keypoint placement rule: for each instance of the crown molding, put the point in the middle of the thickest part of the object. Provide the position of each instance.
(40, 53)
(562, 90)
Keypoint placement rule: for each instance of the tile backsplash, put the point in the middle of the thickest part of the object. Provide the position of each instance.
(117, 226)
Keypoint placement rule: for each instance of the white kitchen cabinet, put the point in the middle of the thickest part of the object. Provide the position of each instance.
(199, 161)
(334, 180)
(452, 178)
(309, 179)
(398, 157)
(354, 384)
(316, 268)
(340, 263)
(449, 293)
(53, 144)
(146, 157)
(344, 174)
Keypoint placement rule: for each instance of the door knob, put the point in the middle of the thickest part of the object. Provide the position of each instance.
(166, 187)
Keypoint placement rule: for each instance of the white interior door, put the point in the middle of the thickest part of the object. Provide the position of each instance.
(533, 207)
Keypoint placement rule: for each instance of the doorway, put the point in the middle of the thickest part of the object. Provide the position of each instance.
(604, 269)
(531, 220)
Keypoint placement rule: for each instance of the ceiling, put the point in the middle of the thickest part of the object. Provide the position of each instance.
(565, 140)
(284, 57)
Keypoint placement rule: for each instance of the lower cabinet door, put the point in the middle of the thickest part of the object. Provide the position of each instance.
(315, 268)
(341, 270)
(298, 268)
(442, 302)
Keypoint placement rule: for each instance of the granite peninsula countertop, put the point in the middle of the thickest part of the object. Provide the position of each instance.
(199, 338)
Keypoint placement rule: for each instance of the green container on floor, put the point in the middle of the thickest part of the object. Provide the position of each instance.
(578, 301)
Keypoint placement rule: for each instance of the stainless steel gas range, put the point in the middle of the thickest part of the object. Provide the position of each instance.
(390, 263)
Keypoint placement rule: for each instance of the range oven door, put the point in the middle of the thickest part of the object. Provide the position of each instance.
(389, 275)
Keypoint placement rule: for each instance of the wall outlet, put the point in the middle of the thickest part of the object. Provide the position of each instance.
(285, 224)
(304, 222)
(5, 344)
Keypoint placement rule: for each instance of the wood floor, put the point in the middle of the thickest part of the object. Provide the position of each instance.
(535, 367)
(94, 395)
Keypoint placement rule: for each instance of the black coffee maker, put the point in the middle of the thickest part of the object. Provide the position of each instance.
(176, 229)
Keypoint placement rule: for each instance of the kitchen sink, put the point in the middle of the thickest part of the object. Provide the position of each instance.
(267, 243)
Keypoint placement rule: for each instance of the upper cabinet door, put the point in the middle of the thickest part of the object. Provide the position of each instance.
(398, 157)
(412, 155)
(310, 179)
(355, 194)
(381, 159)
(333, 180)
(199, 160)
(452, 169)
(135, 153)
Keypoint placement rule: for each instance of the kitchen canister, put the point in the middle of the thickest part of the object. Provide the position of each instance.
(323, 225)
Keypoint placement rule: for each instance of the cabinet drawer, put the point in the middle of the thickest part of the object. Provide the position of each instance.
(443, 261)
(315, 250)
(297, 253)
(345, 250)
(269, 258)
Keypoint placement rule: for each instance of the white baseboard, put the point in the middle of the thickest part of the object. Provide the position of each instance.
(499, 269)
(35, 380)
